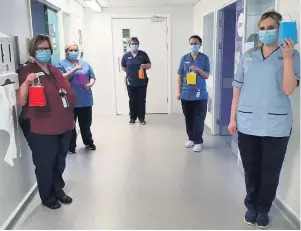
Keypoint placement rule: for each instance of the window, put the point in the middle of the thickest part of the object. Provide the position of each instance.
(208, 37)
(254, 10)
(125, 39)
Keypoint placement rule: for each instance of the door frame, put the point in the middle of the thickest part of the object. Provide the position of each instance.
(217, 80)
(218, 71)
(169, 61)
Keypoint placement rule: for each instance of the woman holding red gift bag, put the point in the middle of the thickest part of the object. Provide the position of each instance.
(47, 102)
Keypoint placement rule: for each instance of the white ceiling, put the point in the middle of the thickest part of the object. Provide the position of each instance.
(137, 3)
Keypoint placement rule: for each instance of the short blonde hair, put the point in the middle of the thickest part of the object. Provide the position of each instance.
(36, 41)
(70, 45)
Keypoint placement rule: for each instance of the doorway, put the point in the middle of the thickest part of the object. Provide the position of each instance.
(45, 21)
(152, 34)
(225, 67)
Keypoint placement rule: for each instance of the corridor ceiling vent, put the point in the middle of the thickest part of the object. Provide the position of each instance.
(93, 5)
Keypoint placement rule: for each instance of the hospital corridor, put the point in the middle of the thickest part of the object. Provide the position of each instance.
(148, 115)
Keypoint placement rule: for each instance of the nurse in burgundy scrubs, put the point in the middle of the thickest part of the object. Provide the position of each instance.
(46, 128)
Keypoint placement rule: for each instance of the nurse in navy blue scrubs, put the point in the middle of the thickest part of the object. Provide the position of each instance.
(131, 63)
(194, 96)
(82, 78)
(262, 114)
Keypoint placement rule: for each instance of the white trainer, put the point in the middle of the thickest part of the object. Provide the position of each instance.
(197, 148)
(189, 144)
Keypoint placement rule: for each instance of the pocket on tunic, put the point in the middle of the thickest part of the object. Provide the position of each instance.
(244, 117)
(279, 121)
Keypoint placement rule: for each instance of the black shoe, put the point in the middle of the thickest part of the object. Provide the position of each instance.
(92, 147)
(65, 199)
(262, 220)
(72, 151)
(52, 205)
(250, 217)
(143, 122)
(132, 122)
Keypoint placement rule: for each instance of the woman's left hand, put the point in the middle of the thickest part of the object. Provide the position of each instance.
(88, 86)
(288, 48)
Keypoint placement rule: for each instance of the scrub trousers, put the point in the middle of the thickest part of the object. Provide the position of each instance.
(49, 157)
(195, 114)
(84, 116)
(137, 101)
(262, 159)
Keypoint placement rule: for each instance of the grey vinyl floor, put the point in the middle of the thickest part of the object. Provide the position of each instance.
(142, 177)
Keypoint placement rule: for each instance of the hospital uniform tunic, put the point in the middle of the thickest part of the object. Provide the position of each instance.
(264, 123)
(84, 99)
(136, 87)
(194, 97)
(47, 130)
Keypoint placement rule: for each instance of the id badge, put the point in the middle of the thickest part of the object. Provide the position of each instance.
(198, 94)
(65, 101)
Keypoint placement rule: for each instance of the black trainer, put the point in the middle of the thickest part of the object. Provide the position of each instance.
(250, 217)
(72, 151)
(142, 122)
(65, 199)
(52, 205)
(262, 220)
(92, 147)
(132, 122)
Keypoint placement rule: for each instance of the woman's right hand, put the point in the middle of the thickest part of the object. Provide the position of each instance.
(78, 67)
(178, 96)
(30, 78)
(232, 127)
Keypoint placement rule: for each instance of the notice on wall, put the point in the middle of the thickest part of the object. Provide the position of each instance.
(52, 35)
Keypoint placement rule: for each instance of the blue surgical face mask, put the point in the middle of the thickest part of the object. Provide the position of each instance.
(43, 56)
(134, 47)
(194, 48)
(268, 36)
(73, 55)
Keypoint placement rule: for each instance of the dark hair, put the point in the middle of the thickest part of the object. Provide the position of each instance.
(196, 37)
(271, 14)
(134, 39)
(36, 41)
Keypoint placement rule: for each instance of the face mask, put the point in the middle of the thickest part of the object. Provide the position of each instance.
(267, 37)
(134, 47)
(194, 48)
(73, 55)
(43, 56)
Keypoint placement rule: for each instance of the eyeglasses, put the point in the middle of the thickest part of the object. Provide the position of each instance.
(73, 50)
(134, 44)
(194, 44)
(43, 49)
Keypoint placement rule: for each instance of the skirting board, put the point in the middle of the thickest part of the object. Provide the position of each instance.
(14, 216)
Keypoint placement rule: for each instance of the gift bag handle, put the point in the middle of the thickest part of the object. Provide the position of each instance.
(289, 16)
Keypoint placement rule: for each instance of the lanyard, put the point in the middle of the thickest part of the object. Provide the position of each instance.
(61, 90)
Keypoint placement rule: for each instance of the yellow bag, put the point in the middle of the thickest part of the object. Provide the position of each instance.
(191, 78)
